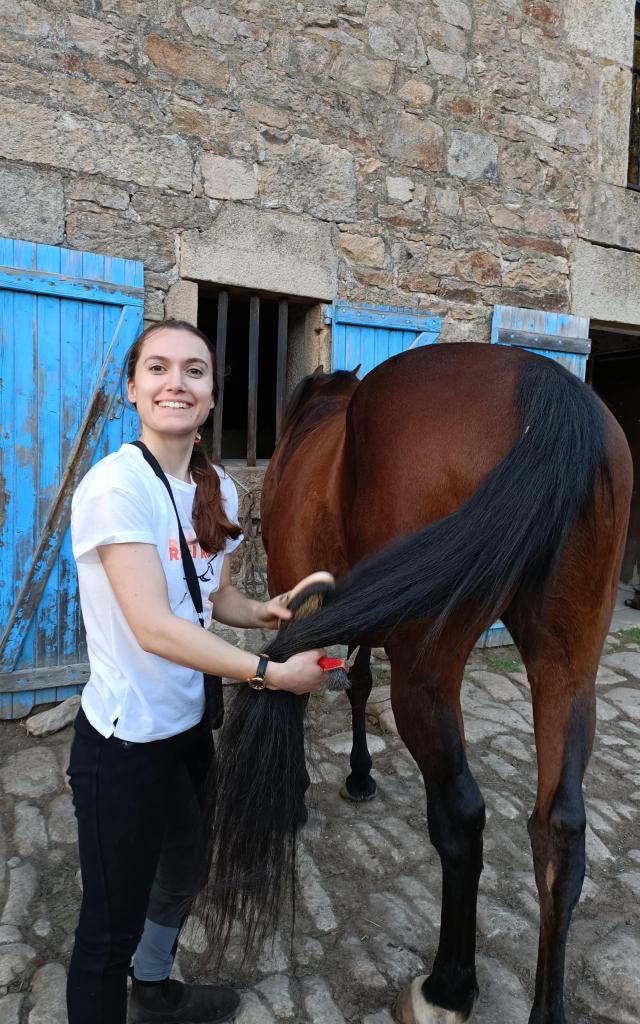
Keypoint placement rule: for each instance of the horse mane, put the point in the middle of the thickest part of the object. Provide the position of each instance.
(313, 399)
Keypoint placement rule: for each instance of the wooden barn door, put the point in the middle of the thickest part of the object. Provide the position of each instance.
(559, 336)
(67, 319)
(370, 334)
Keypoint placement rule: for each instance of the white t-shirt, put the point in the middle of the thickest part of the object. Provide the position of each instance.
(132, 694)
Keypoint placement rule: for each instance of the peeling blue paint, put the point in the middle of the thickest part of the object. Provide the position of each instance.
(66, 321)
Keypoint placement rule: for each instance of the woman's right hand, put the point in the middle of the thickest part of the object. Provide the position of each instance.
(298, 674)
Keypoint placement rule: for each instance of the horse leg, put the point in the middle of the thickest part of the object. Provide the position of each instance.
(359, 786)
(427, 710)
(561, 664)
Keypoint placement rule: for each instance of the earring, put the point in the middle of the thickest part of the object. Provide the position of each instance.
(197, 439)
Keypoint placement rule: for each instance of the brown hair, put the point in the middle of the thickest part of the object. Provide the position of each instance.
(210, 522)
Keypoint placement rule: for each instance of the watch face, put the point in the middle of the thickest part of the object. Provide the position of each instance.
(256, 683)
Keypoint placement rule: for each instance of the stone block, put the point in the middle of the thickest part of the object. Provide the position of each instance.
(376, 75)
(414, 141)
(611, 216)
(472, 156)
(363, 249)
(109, 233)
(562, 86)
(264, 249)
(90, 190)
(30, 832)
(443, 62)
(41, 135)
(310, 177)
(400, 189)
(14, 960)
(27, 19)
(31, 772)
(23, 883)
(190, 119)
(266, 115)
(183, 61)
(603, 29)
(612, 127)
(55, 718)
(455, 12)
(49, 994)
(416, 94)
(10, 1007)
(31, 203)
(227, 179)
(181, 302)
(99, 38)
(222, 28)
(606, 285)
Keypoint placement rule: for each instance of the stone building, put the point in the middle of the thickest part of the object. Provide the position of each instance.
(444, 156)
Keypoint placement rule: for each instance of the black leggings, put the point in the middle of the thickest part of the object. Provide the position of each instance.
(140, 835)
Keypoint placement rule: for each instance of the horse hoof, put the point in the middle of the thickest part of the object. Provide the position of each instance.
(412, 1008)
(361, 796)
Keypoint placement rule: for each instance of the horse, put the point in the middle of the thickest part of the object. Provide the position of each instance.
(452, 486)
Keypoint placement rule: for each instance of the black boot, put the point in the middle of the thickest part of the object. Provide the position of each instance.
(172, 1002)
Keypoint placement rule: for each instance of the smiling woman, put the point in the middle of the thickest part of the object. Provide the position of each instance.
(153, 526)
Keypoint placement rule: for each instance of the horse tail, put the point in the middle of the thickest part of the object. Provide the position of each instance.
(503, 543)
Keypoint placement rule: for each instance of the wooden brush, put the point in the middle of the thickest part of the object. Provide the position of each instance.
(303, 600)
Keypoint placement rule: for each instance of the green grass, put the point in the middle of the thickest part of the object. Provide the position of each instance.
(502, 664)
(631, 635)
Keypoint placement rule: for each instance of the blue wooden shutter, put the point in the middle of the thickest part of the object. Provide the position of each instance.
(370, 334)
(558, 336)
(67, 319)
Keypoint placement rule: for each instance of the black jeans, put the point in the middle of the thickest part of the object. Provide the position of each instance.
(141, 844)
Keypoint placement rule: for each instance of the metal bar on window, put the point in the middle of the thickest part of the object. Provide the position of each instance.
(633, 176)
(252, 409)
(281, 365)
(221, 356)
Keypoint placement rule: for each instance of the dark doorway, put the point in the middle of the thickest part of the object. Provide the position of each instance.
(614, 373)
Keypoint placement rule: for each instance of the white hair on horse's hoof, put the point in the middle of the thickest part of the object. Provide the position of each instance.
(412, 1008)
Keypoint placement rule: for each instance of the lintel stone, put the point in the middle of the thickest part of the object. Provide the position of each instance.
(606, 284)
(263, 249)
(611, 216)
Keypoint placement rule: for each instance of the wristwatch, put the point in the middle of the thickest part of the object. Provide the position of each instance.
(258, 682)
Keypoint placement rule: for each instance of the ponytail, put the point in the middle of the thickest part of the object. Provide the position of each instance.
(213, 527)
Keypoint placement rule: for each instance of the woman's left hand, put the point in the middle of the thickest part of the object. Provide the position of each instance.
(271, 613)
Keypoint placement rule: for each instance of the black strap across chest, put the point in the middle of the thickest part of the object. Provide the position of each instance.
(190, 573)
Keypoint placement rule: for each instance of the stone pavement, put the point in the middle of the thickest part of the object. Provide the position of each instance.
(370, 882)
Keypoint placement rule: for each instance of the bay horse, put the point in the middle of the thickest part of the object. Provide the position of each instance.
(454, 485)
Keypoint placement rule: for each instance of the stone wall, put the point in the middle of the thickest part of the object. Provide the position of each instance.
(430, 154)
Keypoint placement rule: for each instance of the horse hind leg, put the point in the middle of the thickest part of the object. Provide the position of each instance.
(359, 786)
(562, 663)
(426, 705)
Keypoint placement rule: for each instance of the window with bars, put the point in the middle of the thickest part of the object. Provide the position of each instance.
(252, 334)
(633, 180)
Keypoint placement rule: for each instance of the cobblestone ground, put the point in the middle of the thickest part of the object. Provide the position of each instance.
(370, 882)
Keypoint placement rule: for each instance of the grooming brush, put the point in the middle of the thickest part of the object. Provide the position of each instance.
(306, 598)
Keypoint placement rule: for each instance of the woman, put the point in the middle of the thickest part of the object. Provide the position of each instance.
(142, 748)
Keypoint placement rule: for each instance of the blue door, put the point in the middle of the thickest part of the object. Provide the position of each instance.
(559, 336)
(370, 334)
(67, 319)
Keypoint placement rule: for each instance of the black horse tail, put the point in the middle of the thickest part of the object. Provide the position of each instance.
(503, 543)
